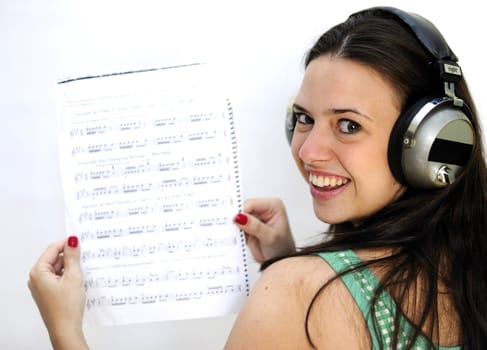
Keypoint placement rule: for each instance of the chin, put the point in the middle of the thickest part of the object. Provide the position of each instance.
(339, 218)
(330, 219)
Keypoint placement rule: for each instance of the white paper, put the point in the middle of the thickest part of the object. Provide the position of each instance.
(150, 173)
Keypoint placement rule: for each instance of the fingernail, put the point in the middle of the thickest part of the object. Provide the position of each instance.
(72, 241)
(241, 219)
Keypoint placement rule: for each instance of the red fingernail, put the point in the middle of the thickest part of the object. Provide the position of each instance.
(241, 219)
(72, 241)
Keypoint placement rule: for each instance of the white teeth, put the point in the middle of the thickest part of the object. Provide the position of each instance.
(320, 181)
(326, 181)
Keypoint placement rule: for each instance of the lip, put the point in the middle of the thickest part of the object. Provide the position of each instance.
(324, 194)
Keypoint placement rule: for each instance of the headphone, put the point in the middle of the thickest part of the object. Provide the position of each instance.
(431, 141)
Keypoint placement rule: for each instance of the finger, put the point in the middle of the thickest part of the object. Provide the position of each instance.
(257, 205)
(50, 256)
(255, 249)
(262, 208)
(59, 265)
(72, 257)
(252, 226)
(46, 262)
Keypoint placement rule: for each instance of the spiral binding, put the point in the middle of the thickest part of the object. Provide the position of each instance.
(238, 188)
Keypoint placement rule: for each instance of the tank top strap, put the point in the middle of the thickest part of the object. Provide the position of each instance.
(362, 284)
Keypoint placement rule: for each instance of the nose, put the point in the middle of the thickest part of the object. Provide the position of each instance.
(317, 145)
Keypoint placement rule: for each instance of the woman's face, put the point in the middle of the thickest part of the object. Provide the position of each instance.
(345, 112)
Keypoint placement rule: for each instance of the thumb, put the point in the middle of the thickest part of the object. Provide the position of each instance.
(72, 256)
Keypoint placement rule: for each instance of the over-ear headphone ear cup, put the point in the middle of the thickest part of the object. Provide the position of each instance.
(290, 121)
(396, 139)
(431, 143)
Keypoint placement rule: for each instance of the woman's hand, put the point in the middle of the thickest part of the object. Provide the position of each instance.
(266, 226)
(56, 284)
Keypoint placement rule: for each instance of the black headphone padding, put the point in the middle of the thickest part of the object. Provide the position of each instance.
(396, 138)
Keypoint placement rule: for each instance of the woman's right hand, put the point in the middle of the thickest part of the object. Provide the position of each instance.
(56, 284)
(265, 223)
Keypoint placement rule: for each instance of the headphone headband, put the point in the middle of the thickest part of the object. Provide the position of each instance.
(426, 32)
(429, 37)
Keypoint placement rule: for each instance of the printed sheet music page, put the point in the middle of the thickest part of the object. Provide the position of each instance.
(150, 172)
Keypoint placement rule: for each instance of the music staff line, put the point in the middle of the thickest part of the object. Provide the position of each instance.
(114, 171)
(98, 215)
(162, 185)
(138, 279)
(143, 250)
(103, 129)
(125, 231)
(124, 145)
(148, 298)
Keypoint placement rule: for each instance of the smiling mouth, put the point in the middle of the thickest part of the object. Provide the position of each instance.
(327, 182)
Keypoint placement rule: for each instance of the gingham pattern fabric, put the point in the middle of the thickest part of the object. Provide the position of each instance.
(361, 285)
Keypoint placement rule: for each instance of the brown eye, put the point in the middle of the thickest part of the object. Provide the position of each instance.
(348, 126)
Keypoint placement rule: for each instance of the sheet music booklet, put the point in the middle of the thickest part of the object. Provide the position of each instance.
(151, 180)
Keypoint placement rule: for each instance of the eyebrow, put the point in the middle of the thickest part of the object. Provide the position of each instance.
(334, 111)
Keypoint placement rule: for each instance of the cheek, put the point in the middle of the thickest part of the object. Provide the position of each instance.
(296, 143)
(374, 184)
(367, 162)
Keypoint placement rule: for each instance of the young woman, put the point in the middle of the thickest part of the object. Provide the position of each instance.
(403, 266)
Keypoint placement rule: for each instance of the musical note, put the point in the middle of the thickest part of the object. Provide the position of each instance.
(94, 130)
(122, 170)
(137, 279)
(142, 250)
(165, 121)
(201, 135)
(132, 125)
(196, 118)
(92, 148)
(162, 297)
(125, 231)
(172, 203)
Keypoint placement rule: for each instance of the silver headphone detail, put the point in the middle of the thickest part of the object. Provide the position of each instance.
(436, 145)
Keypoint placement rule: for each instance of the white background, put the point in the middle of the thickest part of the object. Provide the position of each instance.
(259, 46)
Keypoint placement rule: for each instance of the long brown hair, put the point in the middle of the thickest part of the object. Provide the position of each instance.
(437, 236)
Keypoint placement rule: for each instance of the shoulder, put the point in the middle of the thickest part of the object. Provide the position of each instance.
(275, 314)
(302, 273)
